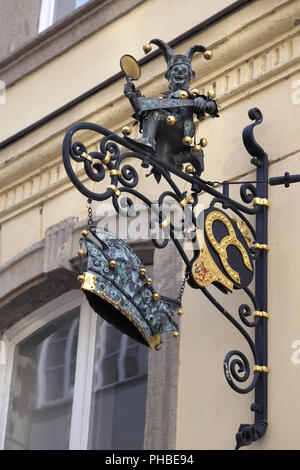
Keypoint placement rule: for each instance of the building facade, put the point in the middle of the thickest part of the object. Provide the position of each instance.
(68, 379)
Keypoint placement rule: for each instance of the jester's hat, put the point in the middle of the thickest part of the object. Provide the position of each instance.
(172, 59)
(117, 287)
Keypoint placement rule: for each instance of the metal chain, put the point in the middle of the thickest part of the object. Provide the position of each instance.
(90, 212)
(186, 277)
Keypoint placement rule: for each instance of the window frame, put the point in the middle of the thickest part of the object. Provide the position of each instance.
(47, 11)
(85, 355)
(44, 315)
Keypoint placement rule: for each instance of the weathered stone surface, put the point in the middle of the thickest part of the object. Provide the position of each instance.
(160, 431)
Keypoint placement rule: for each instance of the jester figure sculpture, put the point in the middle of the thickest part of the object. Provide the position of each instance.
(167, 124)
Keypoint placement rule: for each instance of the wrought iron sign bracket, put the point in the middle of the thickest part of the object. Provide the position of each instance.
(229, 250)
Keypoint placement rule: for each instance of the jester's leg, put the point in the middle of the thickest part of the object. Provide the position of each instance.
(189, 128)
(149, 125)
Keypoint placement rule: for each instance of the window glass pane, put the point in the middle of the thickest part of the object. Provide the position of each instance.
(119, 391)
(64, 7)
(42, 387)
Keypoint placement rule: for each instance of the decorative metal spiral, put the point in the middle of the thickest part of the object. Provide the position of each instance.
(112, 162)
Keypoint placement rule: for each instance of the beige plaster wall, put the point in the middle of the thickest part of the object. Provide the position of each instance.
(97, 58)
(257, 61)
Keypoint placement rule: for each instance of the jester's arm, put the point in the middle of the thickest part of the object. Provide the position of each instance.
(204, 104)
(132, 94)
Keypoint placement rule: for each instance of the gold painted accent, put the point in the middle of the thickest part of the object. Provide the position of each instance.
(149, 281)
(107, 158)
(130, 67)
(86, 156)
(205, 116)
(80, 252)
(85, 233)
(180, 312)
(242, 226)
(126, 130)
(261, 369)
(112, 263)
(211, 94)
(230, 239)
(115, 172)
(165, 223)
(80, 278)
(170, 120)
(115, 190)
(258, 313)
(189, 169)
(89, 282)
(194, 92)
(175, 334)
(203, 142)
(261, 246)
(208, 55)
(197, 149)
(186, 200)
(147, 48)
(188, 141)
(143, 272)
(261, 201)
(183, 95)
(204, 269)
(155, 296)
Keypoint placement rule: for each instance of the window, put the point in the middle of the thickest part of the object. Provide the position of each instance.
(119, 385)
(54, 10)
(72, 381)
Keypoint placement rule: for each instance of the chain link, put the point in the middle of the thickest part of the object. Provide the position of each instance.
(90, 212)
(186, 277)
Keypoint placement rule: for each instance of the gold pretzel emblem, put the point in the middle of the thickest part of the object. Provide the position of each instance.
(221, 247)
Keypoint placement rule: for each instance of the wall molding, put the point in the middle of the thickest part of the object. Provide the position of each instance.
(248, 72)
(261, 68)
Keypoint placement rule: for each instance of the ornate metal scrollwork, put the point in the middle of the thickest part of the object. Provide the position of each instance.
(111, 163)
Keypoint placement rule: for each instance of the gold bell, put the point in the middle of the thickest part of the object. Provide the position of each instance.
(80, 252)
(189, 169)
(188, 141)
(203, 142)
(170, 120)
(180, 312)
(149, 281)
(208, 55)
(126, 130)
(143, 272)
(155, 297)
(183, 95)
(112, 264)
(80, 278)
(147, 48)
(194, 92)
(211, 94)
(85, 233)
(197, 149)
